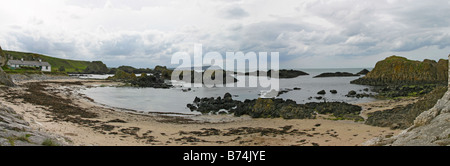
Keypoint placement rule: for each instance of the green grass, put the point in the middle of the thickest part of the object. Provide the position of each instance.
(12, 139)
(71, 66)
(49, 142)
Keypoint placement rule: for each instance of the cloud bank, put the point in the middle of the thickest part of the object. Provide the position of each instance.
(308, 34)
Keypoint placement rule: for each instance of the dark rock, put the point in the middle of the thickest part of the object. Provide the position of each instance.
(393, 91)
(281, 73)
(354, 94)
(322, 92)
(196, 100)
(191, 107)
(274, 108)
(337, 74)
(227, 97)
(363, 72)
(351, 93)
(333, 91)
(283, 91)
(403, 117)
(154, 81)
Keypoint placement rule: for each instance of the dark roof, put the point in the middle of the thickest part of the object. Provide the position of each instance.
(29, 63)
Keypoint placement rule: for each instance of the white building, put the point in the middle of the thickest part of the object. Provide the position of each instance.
(44, 66)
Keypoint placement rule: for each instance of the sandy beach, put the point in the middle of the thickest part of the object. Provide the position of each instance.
(90, 123)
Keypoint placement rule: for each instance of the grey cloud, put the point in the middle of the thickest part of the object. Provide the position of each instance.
(39, 43)
(357, 29)
(234, 12)
(122, 45)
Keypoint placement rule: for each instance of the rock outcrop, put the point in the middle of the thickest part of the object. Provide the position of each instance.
(15, 131)
(283, 74)
(431, 128)
(399, 70)
(363, 72)
(4, 78)
(3, 57)
(337, 74)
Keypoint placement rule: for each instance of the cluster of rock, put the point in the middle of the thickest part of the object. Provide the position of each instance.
(394, 91)
(402, 117)
(355, 94)
(274, 108)
(197, 77)
(154, 81)
(351, 93)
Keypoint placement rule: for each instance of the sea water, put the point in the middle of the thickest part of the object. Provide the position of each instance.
(174, 100)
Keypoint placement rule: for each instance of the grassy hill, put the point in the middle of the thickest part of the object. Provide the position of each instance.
(71, 66)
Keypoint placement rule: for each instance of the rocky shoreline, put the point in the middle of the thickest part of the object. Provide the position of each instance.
(100, 125)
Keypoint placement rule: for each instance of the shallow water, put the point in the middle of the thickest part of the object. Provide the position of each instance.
(174, 100)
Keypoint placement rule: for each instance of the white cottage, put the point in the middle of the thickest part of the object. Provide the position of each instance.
(44, 66)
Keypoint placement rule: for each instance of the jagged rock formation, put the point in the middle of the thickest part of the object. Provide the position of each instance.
(431, 128)
(399, 70)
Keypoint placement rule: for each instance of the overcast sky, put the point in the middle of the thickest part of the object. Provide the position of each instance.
(306, 33)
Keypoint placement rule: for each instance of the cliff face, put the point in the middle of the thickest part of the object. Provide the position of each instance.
(399, 70)
(431, 128)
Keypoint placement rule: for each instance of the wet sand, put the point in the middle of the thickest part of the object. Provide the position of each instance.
(90, 123)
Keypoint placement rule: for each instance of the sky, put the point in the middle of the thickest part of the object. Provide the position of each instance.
(306, 33)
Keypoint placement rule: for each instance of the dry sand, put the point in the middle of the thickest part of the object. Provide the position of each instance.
(119, 127)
